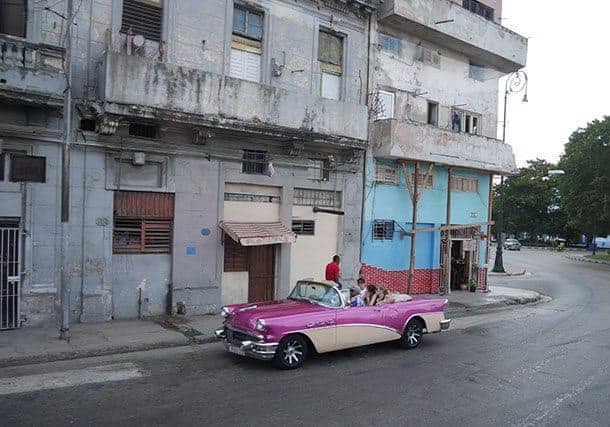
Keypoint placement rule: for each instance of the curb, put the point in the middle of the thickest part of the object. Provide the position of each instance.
(583, 259)
(464, 310)
(519, 273)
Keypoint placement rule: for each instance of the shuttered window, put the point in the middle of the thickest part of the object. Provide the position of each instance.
(143, 222)
(330, 57)
(24, 168)
(464, 184)
(246, 44)
(245, 65)
(236, 256)
(143, 17)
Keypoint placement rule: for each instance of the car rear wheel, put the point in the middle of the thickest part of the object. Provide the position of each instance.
(413, 334)
(291, 352)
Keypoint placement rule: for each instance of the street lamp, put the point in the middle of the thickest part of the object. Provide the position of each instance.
(515, 83)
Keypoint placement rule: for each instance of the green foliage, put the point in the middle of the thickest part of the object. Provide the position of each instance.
(585, 187)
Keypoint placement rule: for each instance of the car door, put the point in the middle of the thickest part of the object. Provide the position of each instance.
(358, 326)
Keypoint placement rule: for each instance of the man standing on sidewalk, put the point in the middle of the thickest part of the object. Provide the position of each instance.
(333, 271)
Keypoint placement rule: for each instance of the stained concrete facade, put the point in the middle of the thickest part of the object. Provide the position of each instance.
(435, 53)
(204, 121)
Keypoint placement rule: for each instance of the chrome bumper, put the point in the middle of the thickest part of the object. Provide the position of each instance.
(445, 323)
(255, 349)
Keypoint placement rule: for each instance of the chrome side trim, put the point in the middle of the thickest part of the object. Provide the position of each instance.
(445, 324)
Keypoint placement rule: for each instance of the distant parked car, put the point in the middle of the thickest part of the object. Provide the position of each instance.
(512, 245)
(317, 317)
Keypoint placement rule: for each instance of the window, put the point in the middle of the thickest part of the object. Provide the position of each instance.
(320, 170)
(386, 174)
(143, 222)
(143, 17)
(429, 180)
(13, 17)
(464, 184)
(477, 72)
(330, 56)
(303, 227)
(385, 105)
(143, 130)
(383, 229)
(390, 44)
(479, 8)
(320, 198)
(25, 168)
(427, 56)
(246, 44)
(433, 113)
(2, 166)
(464, 121)
(255, 162)
(236, 256)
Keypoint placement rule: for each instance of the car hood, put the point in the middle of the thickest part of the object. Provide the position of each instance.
(245, 317)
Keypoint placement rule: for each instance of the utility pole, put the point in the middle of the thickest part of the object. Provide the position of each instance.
(65, 179)
(415, 200)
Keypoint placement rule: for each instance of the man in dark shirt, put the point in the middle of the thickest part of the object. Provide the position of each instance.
(333, 271)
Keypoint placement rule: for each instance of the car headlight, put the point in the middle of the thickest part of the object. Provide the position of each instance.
(224, 312)
(260, 325)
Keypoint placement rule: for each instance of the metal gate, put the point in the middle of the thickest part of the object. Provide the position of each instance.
(10, 275)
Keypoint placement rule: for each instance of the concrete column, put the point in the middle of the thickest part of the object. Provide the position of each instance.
(283, 278)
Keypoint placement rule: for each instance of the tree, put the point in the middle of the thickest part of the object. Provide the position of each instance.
(585, 186)
(531, 201)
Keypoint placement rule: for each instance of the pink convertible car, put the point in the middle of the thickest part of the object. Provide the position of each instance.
(318, 317)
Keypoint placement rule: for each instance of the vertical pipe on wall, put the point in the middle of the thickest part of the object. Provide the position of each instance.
(415, 200)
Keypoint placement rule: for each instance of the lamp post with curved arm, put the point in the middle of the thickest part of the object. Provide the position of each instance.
(515, 83)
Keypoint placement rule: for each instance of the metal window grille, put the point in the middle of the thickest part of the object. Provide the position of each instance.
(255, 162)
(143, 130)
(143, 17)
(235, 256)
(308, 197)
(386, 174)
(304, 227)
(383, 229)
(25, 168)
(256, 198)
(429, 180)
(464, 184)
(10, 277)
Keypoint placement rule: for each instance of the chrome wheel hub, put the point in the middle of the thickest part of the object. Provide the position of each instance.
(293, 352)
(413, 336)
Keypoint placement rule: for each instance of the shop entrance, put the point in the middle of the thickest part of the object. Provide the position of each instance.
(461, 261)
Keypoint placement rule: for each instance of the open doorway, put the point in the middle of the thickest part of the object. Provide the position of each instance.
(460, 265)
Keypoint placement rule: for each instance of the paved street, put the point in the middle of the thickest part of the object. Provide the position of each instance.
(545, 364)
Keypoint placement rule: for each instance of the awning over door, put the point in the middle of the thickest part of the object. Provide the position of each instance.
(257, 233)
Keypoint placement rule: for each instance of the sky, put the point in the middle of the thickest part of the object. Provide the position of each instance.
(568, 65)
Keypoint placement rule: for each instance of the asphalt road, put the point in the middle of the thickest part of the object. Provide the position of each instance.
(540, 365)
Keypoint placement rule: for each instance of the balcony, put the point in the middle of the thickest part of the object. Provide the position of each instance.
(448, 24)
(393, 139)
(31, 73)
(137, 86)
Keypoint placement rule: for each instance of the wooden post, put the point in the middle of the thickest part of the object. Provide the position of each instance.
(447, 255)
(415, 199)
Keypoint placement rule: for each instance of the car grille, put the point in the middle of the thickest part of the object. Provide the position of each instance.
(235, 335)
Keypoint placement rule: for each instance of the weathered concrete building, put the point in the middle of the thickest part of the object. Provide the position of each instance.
(435, 81)
(210, 164)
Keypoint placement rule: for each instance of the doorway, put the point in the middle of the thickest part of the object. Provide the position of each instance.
(460, 265)
(10, 276)
(261, 273)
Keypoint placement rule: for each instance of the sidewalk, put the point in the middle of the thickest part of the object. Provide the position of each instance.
(581, 257)
(37, 345)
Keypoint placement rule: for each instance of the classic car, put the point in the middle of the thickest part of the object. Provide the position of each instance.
(317, 317)
(512, 245)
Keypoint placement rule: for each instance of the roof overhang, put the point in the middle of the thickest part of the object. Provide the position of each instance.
(257, 233)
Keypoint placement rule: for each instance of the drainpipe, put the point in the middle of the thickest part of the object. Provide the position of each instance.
(65, 180)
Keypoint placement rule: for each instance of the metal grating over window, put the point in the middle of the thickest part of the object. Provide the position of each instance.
(143, 222)
(235, 256)
(143, 17)
(307, 197)
(255, 162)
(383, 229)
(429, 180)
(304, 227)
(25, 168)
(464, 184)
(386, 174)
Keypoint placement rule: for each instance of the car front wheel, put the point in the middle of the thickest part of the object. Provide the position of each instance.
(413, 334)
(291, 352)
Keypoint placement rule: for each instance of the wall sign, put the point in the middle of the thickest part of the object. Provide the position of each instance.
(205, 231)
(191, 250)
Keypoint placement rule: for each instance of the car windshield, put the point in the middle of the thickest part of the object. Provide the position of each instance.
(316, 293)
(512, 241)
